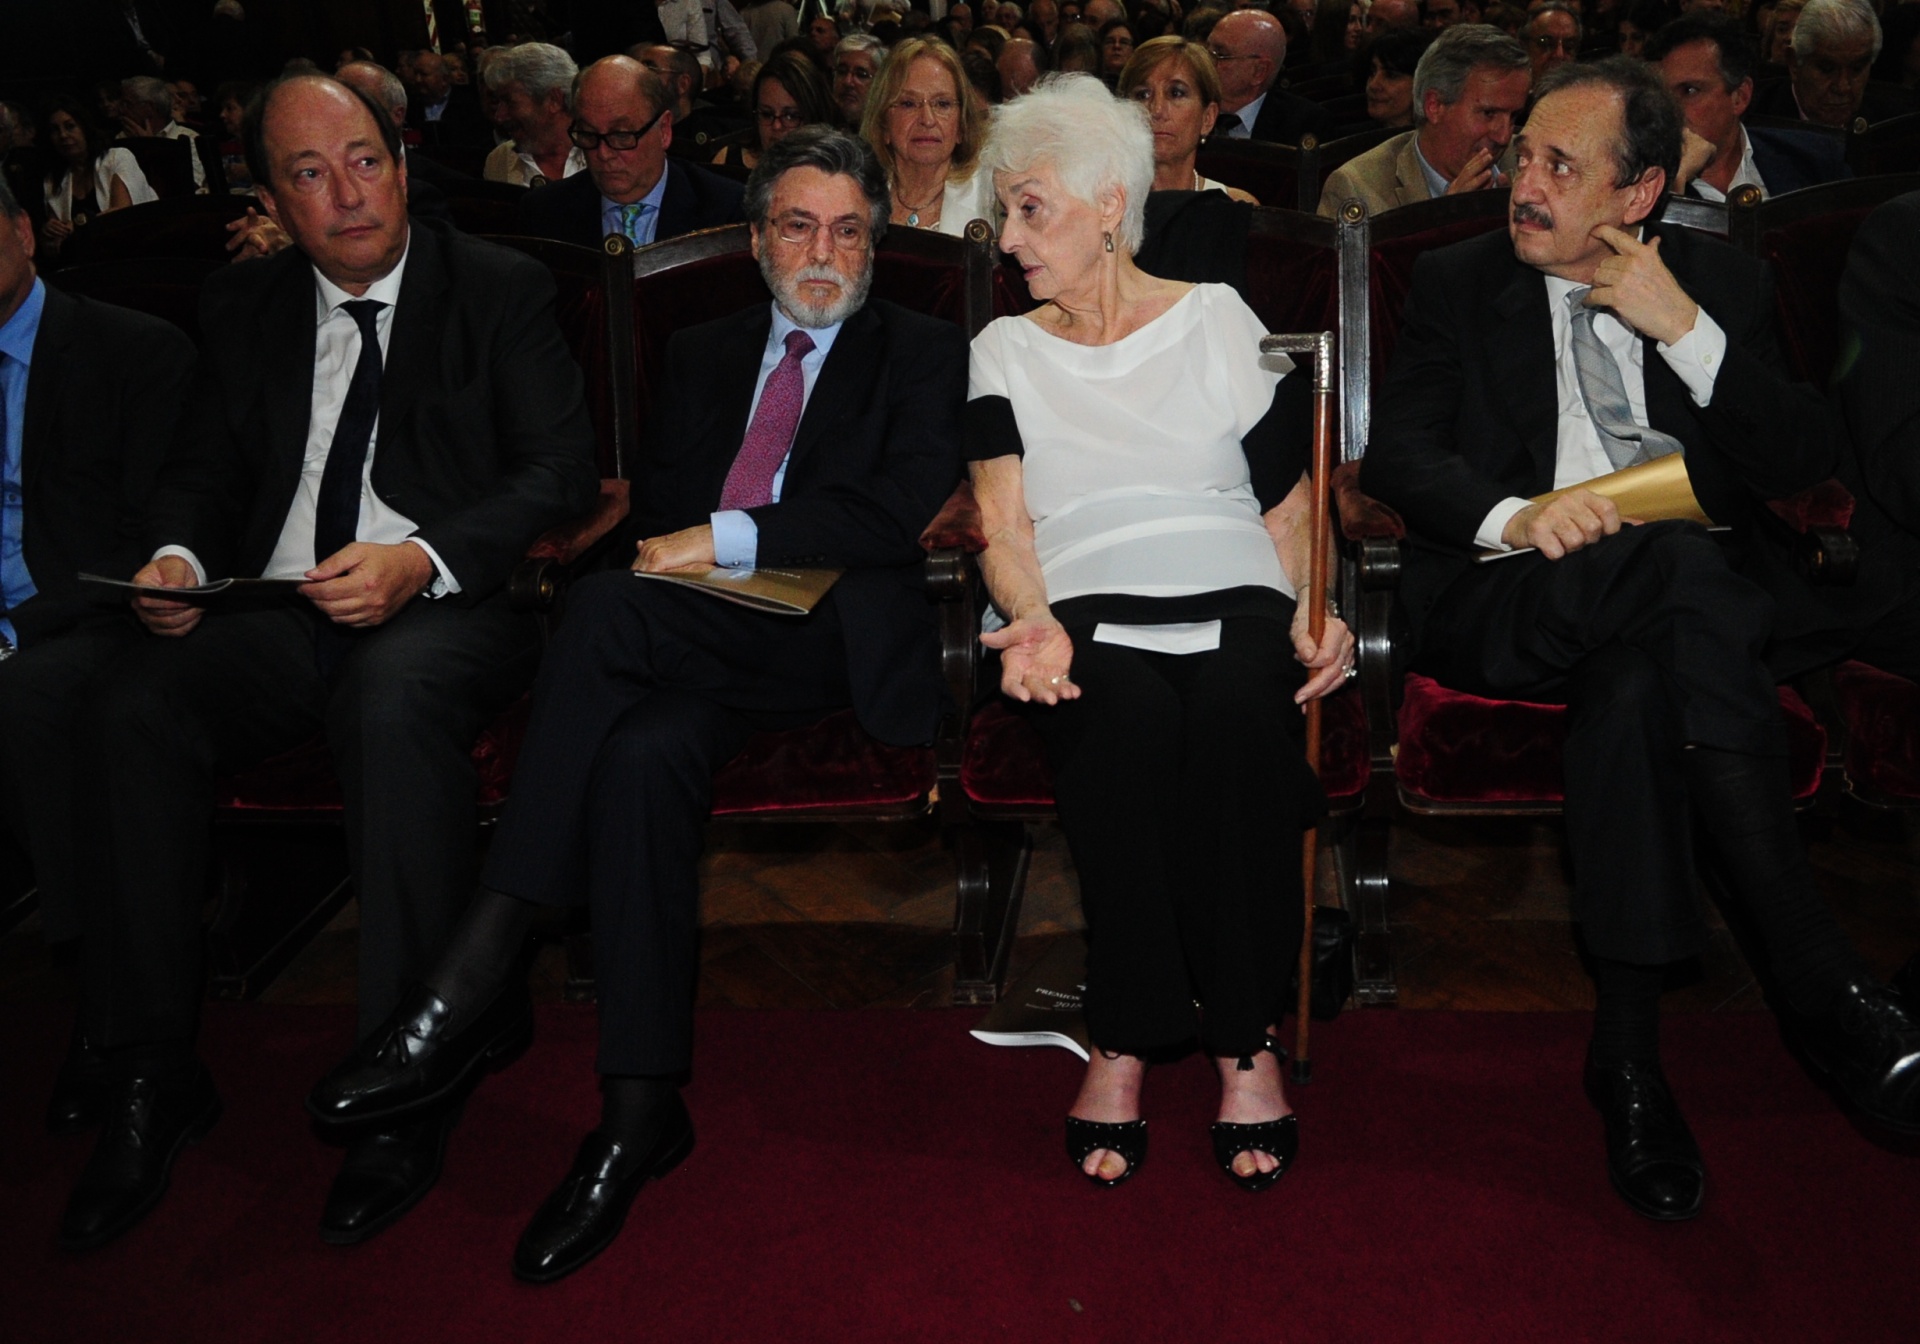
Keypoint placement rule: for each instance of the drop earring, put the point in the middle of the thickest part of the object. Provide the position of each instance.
(1108, 239)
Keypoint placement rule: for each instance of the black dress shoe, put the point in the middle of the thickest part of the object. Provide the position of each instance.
(149, 1120)
(82, 1091)
(422, 1056)
(1869, 1046)
(1651, 1156)
(581, 1218)
(387, 1172)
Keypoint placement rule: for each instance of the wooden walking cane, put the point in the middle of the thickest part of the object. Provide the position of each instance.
(1320, 346)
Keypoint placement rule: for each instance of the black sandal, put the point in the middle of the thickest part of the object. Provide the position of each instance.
(1278, 1139)
(1125, 1137)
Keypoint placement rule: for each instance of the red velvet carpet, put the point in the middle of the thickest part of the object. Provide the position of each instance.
(881, 1176)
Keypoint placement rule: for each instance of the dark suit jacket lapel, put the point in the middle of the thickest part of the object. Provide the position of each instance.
(418, 319)
(676, 205)
(287, 334)
(49, 358)
(850, 366)
(1521, 346)
(736, 370)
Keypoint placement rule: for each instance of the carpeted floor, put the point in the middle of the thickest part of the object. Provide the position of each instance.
(882, 1176)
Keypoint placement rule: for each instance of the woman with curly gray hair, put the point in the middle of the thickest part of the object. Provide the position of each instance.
(1142, 485)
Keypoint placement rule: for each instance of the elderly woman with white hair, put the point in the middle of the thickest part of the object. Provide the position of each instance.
(1142, 483)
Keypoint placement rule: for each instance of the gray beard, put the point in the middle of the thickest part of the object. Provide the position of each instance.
(814, 316)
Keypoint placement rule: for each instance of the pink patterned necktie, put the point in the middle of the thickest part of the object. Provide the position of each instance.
(750, 481)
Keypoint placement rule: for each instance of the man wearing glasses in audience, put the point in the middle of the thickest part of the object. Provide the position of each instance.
(1552, 38)
(820, 429)
(1249, 46)
(623, 123)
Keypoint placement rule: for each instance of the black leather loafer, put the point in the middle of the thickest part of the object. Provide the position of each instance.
(422, 1056)
(1870, 1048)
(1651, 1156)
(582, 1217)
(386, 1173)
(149, 1120)
(82, 1091)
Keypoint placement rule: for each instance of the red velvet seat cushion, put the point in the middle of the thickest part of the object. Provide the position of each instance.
(1463, 750)
(830, 765)
(1882, 714)
(1003, 765)
(302, 780)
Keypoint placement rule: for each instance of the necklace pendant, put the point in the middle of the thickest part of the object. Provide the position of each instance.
(913, 219)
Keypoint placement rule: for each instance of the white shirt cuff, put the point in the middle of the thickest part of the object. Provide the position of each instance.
(1697, 357)
(199, 570)
(736, 539)
(1490, 537)
(443, 580)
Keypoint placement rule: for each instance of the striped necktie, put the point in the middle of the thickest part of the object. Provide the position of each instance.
(1627, 442)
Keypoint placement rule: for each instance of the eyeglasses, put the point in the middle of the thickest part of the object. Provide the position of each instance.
(863, 73)
(1547, 42)
(940, 107)
(797, 230)
(786, 116)
(1227, 57)
(586, 137)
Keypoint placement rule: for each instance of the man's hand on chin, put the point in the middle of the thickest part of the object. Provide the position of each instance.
(1639, 288)
(1564, 524)
(685, 549)
(158, 615)
(365, 584)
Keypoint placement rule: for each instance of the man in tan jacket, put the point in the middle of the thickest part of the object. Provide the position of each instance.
(1467, 90)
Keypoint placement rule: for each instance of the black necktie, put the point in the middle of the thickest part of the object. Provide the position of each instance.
(336, 520)
(1228, 123)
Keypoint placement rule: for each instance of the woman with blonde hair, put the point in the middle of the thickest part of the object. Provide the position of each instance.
(926, 122)
(1177, 83)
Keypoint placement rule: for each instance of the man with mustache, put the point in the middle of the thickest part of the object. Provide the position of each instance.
(818, 429)
(1582, 342)
(386, 412)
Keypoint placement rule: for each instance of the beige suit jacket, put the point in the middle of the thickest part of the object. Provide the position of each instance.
(1386, 176)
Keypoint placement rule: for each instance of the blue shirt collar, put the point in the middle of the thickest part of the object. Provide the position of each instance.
(823, 337)
(20, 331)
(611, 208)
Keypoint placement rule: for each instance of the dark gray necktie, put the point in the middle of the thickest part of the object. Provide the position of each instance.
(1627, 442)
(336, 520)
(1229, 122)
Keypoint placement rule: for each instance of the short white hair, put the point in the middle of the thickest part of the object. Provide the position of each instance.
(537, 67)
(1835, 21)
(1092, 140)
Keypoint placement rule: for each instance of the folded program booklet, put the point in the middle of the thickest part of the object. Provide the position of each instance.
(199, 594)
(1043, 1008)
(783, 592)
(1652, 492)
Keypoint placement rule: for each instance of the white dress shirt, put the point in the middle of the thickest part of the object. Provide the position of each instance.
(1745, 175)
(1578, 455)
(336, 353)
(175, 131)
(1248, 115)
(506, 163)
(736, 538)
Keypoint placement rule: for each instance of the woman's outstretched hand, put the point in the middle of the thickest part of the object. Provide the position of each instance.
(1035, 656)
(1329, 662)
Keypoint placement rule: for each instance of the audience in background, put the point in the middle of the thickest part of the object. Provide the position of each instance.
(856, 62)
(788, 93)
(1076, 51)
(146, 110)
(1641, 21)
(1776, 37)
(1899, 59)
(1834, 46)
(440, 111)
(1249, 48)
(1445, 13)
(1553, 38)
(1117, 42)
(926, 127)
(769, 22)
(1385, 15)
(1175, 80)
(93, 175)
(695, 122)
(1021, 62)
(1394, 56)
(532, 88)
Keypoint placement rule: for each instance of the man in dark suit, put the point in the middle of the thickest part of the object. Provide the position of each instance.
(819, 430)
(442, 112)
(623, 122)
(1880, 322)
(1828, 67)
(386, 415)
(89, 394)
(1708, 67)
(1567, 352)
(1250, 47)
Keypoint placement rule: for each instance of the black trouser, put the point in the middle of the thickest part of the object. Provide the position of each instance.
(1652, 641)
(44, 692)
(646, 691)
(1182, 789)
(406, 704)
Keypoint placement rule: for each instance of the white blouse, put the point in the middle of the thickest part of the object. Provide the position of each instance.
(114, 163)
(1134, 473)
(964, 202)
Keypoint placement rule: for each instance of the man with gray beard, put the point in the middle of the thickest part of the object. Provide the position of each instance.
(821, 430)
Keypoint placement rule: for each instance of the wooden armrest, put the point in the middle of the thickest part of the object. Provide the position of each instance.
(957, 525)
(568, 542)
(1362, 517)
